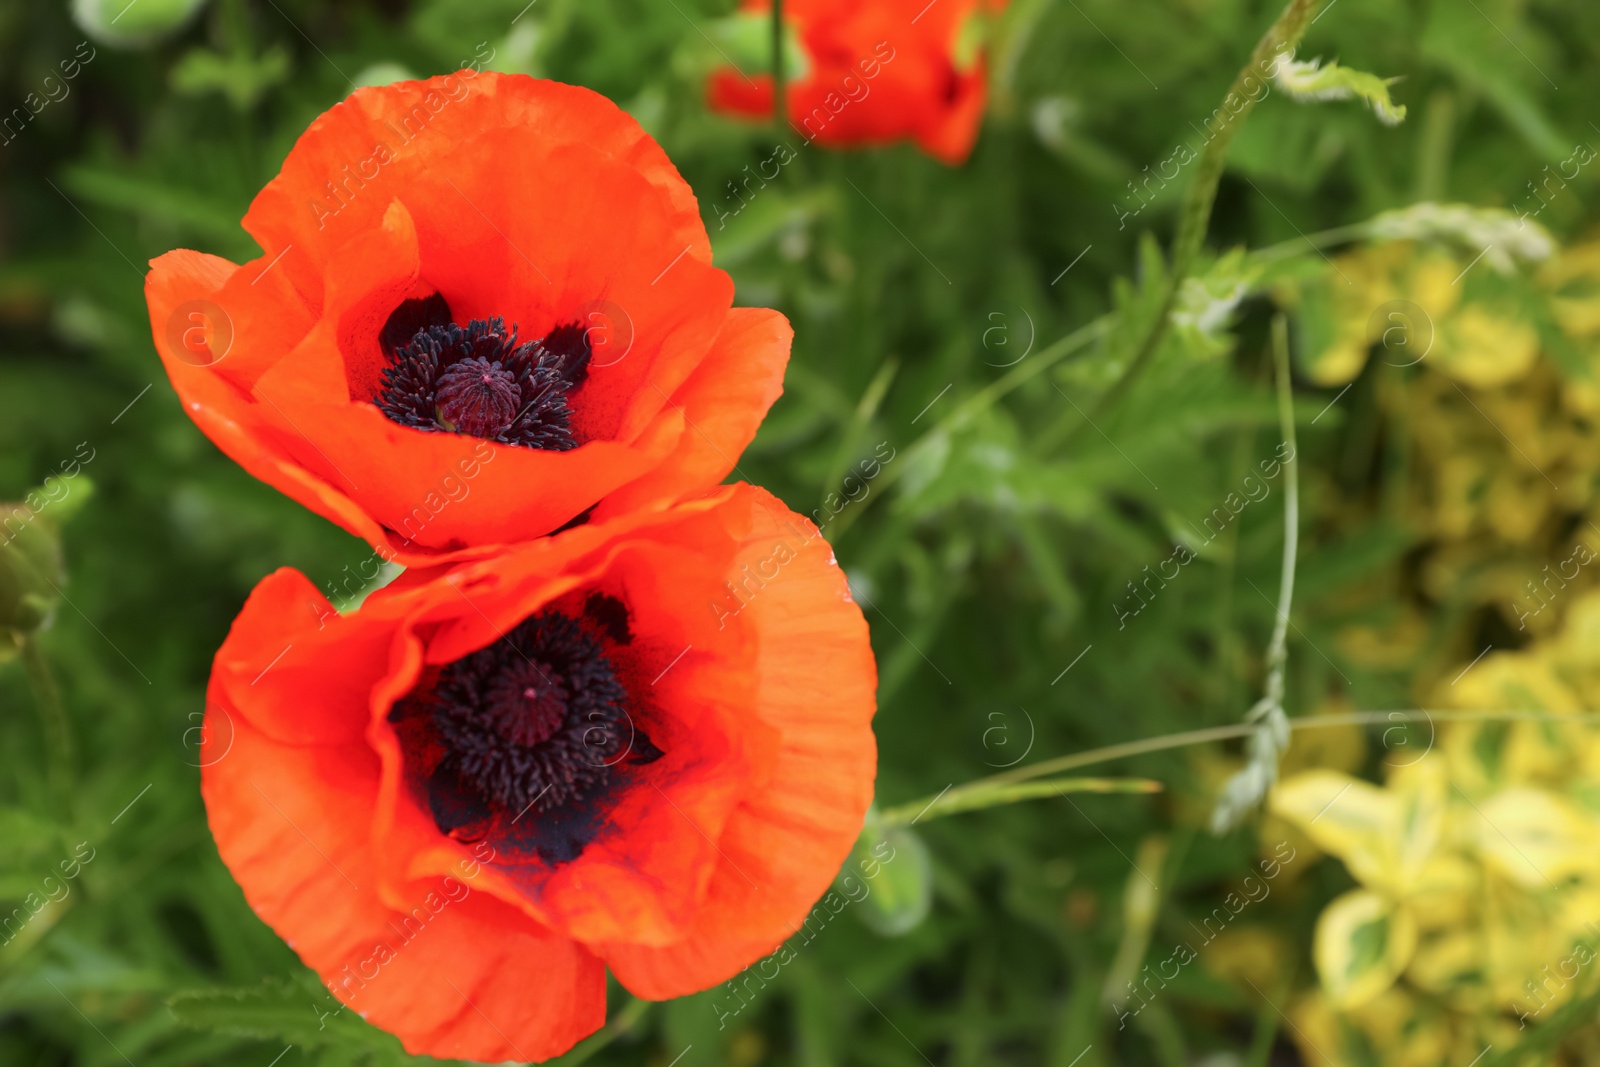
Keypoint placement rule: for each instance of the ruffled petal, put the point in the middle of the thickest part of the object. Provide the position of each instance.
(448, 968)
(722, 405)
(815, 689)
(181, 284)
(378, 143)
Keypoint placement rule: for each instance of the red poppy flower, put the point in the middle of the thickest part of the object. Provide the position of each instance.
(642, 745)
(877, 71)
(484, 304)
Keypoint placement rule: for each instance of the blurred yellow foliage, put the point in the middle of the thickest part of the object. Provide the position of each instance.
(1478, 906)
(1489, 450)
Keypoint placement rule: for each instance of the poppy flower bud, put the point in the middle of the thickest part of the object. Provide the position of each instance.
(32, 567)
(891, 872)
(30, 559)
(119, 24)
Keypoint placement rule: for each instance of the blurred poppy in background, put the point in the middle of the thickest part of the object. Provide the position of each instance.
(875, 72)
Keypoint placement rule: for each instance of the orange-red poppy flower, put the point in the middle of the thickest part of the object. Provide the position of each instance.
(877, 71)
(642, 745)
(484, 305)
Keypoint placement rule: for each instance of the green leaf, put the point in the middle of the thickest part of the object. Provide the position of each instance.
(1345, 816)
(148, 199)
(244, 78)
(1311, 81)
(1362, 943)
(1535, 838)
(1207, 299)
(1474, 51)
(297, 1011)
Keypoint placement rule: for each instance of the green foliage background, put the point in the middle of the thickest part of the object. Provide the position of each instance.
(989, 554)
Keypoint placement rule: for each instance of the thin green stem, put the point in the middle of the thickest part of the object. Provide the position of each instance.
(1316, 242)
(53, 721)
(1266, 1033)
(1230, 645)
(1277, 650)
(1195, 215)
(621, 1023)
(1249, 787)
(975, 797)
(850, 436)
(1165, 742)
(1281, 37)
(780, 80)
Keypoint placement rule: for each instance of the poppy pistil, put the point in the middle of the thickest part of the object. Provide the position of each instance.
(477, 397)
(478, 380)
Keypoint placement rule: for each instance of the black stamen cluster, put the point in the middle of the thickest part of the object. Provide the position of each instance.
(536, 719)
(479, 380)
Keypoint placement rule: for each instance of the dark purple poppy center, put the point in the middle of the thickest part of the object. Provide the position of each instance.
(526, 704)
(478, 379)
(537, 718)
(477, 397)
(537, 722)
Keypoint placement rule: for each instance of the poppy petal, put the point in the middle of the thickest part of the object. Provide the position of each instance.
(183, 284)
(449, 969)
(782, 847)
(722, 403)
